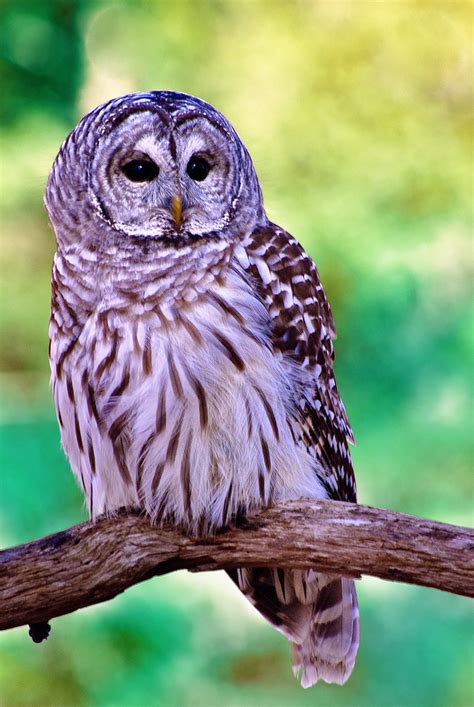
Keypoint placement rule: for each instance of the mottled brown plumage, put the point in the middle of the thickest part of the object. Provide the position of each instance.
(302, 328)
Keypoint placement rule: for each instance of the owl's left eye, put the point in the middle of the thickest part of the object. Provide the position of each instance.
(198, 168)
(140, 170)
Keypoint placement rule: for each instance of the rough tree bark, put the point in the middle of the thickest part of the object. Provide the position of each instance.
(95, 561)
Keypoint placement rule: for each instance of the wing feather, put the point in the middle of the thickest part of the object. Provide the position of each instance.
(317, 612)
(303, 330)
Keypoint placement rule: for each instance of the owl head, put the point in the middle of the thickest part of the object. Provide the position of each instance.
(159, 165)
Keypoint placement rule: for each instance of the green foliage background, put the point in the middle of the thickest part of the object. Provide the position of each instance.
(358, 116)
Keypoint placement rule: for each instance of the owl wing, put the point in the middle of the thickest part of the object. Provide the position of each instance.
(317, 612)
(303, 330)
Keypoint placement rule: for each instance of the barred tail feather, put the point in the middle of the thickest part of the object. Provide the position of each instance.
(318, 613)
(328, 651)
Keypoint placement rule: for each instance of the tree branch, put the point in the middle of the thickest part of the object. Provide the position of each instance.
(95, 561)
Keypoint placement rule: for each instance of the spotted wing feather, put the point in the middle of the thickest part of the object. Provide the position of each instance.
(317, 612)
(303, 330)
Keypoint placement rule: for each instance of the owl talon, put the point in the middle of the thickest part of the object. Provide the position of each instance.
(240, 516)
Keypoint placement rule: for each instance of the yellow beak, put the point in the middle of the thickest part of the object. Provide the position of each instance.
(176, 209)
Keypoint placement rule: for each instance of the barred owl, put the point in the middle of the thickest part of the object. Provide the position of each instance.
(191, 349)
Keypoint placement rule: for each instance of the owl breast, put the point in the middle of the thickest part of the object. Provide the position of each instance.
(186, 413)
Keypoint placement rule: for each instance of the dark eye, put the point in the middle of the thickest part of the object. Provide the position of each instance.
(140, 170)
(198, 168)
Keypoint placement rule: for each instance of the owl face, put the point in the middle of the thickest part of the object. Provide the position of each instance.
(155, 177)
(157, 165)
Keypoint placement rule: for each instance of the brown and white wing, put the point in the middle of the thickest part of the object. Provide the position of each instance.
(317, 612)
(302, 329)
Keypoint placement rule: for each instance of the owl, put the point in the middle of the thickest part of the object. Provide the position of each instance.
(191, 349)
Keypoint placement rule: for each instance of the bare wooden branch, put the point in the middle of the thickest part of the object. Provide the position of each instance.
(93, 562)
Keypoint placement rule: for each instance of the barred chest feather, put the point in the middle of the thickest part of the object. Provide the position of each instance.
(186, 412)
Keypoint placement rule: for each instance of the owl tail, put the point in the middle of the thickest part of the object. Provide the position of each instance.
(318, 613)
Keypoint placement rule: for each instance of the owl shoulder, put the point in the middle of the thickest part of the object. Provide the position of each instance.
(289, 284)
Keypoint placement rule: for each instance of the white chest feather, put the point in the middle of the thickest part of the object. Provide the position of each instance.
(189, 417)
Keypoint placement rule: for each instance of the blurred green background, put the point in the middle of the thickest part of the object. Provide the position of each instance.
(358, 117)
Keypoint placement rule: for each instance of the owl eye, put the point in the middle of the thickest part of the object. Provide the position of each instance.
(140, 170)
(198, 168)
